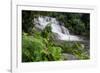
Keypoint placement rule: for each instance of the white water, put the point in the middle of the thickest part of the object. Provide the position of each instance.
(42, 21)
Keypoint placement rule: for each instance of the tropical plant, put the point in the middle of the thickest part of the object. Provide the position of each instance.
(39, 49)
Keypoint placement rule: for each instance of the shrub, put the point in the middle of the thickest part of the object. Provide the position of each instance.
(34, 50)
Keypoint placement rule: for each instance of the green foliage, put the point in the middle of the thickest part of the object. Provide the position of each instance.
(80, 51)
(46, 32)
(55, 53)
(33, 46)
(36, 49)
(75, 48)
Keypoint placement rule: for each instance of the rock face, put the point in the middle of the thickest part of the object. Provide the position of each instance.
(57, 28)
(69, 56)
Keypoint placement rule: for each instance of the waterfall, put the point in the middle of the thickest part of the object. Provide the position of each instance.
(42, 21)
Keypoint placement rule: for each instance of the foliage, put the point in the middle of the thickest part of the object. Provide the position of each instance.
(35, 49)
(27, 21)
(46, 32)
(75, 48)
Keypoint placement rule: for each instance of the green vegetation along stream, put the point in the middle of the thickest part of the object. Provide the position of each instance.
(55, 36)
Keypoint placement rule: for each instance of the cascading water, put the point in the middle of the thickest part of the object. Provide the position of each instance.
(42, 21)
